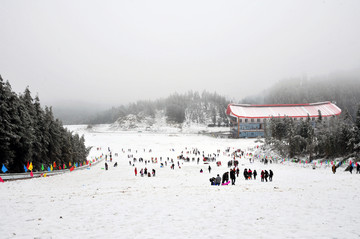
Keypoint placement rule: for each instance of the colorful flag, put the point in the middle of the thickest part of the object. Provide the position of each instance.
(27, 165)
(31, 174)
(4, 169)
(42, 167)
(59, 167)
(69, 164)
(1, 180)
(72, 168)
(54, 165)
(25, 169)
(64, 166)
(45, 175)
(51, 168)
(30, 167)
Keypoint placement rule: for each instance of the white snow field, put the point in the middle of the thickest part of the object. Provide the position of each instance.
(180, 203)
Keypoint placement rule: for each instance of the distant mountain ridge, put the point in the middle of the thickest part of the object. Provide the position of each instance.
(206, 108)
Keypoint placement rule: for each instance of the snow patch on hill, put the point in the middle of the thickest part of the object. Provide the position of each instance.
(159, 124)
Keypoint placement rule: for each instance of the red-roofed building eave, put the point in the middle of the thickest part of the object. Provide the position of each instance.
(231, 113)
(281, 105)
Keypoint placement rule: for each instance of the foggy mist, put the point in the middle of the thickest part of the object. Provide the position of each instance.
(106, 53)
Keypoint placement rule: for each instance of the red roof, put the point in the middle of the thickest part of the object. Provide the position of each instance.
(290, 110)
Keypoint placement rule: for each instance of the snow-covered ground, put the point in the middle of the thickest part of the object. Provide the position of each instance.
(299, 203)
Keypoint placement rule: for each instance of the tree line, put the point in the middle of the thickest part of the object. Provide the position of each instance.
(322, 138)
(342, 89)
(29, 133)
(204, 108)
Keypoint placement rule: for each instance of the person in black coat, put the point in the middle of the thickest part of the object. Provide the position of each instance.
(254, 173)
(232, 176)
(225, 177)
(245, 174)
(271, 174)
(351, 168)
(266, 175)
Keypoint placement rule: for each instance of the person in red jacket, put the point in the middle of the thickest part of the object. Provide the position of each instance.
(135, 171)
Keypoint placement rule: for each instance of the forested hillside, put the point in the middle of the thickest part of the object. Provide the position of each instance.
(29, 133)
(192, 107)
(334, 137)
(342, 89)
(209, 108)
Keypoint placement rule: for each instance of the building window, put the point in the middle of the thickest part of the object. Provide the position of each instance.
(240, 120)
(258, 120)
(252, 120)
(246, 120)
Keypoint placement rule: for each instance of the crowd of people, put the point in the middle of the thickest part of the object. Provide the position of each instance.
(266, 176)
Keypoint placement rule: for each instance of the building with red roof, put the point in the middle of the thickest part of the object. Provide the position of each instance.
(248, 121)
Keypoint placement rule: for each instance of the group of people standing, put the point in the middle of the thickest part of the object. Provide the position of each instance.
(145, 172)
(248, 175)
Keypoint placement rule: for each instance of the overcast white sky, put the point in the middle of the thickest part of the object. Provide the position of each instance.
(115, 52)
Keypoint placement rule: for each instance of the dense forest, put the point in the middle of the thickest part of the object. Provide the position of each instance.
(333, 137)
(29, 133)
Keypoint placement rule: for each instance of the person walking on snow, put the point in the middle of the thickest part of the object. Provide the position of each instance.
(135, 171)
(232, 176)
(266, 175)
(271, 174)
(209, 169)
(254, 173)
